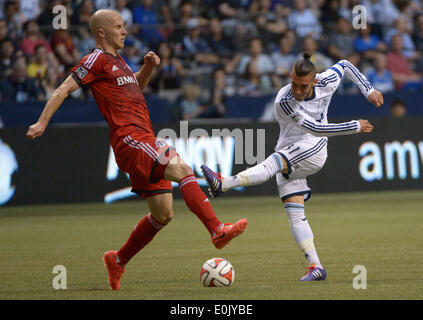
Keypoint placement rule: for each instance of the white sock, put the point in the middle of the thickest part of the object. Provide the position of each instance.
(258, 174)
(301, 231)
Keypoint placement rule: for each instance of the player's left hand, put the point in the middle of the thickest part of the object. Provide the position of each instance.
(151, 59)
(376, 98)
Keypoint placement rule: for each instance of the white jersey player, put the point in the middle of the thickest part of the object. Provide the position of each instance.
(301, 109)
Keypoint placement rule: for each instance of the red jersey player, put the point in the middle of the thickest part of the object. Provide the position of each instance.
(150, 162)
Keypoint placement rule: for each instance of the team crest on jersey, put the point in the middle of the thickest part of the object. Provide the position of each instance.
(81, 72)
(296, 117)
(159, 143)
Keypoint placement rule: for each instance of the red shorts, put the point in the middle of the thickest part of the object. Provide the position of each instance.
(144, 158)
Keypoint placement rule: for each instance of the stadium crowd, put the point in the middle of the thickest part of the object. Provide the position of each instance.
(213, 49)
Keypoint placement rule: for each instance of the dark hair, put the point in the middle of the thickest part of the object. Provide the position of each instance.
(304, 67)
(396, 102)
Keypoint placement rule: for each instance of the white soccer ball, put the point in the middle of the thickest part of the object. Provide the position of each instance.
(217, 272)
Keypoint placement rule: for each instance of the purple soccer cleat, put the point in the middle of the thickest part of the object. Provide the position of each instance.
(214, 180)
(314, 274)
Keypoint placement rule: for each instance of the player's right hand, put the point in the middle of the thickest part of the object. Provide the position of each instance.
(365, 126)
(35, 131)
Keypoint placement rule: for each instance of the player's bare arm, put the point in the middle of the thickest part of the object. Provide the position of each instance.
(55, 101)
(151, 61)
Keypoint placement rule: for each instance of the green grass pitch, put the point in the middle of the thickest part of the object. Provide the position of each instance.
(382, 231)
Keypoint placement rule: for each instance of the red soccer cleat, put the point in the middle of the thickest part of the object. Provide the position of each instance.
(114, 270)
(228, 232)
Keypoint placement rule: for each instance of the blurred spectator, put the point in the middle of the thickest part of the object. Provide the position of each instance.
(270, 24)
(34, 38)
(417, 35)
(85, 41)
(319, 59)
(170, 73)
(262, 62)
(380, 77)
(191, 107)
(398, 109)
(196, 47)
(219, 91)
(400, 27)
(7, 49)
(50, 83)
(131, 55)
(104, 4)
(403, 75)
(231, 9)
(120, 6)
(30, 9)
(64, 47)
(368, 44)
(4, 30)
(146, 21)
(303, 21)
(341, 41)
(253, 83)
(283, 59)
(18, 87)
(14, 20)
(381, 13)
(37, 68)
(82, 16)
(164, 15)
(218, 41)
(330, 13)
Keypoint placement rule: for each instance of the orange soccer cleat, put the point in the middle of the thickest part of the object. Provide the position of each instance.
(114, 270)
(227, 232)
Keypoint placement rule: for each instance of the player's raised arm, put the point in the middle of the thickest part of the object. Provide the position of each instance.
(366, 88)
(308, 124)
(55, 101)
(151, 61)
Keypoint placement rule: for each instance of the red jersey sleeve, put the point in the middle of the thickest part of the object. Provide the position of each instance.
(89, 68)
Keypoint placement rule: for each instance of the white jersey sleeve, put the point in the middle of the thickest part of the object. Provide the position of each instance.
(344, 67)
(292, 112)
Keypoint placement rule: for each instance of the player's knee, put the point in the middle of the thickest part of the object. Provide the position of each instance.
(185, 170)
(164, 216)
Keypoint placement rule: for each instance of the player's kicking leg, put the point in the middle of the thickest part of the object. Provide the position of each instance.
(258, 174)
(221, 233)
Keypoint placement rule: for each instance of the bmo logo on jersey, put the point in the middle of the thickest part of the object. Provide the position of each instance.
(126, 80)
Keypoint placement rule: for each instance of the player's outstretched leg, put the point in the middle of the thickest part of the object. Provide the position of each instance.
(214, 180)
(195, 199)
(255, 175)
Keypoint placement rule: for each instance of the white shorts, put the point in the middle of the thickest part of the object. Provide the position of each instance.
(304, 158)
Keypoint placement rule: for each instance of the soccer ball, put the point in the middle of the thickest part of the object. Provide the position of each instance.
(217, 272)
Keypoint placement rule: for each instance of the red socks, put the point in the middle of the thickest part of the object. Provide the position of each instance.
(198, 202)
(142, 234)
